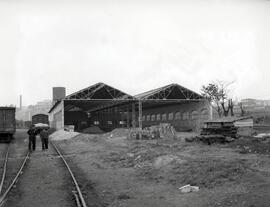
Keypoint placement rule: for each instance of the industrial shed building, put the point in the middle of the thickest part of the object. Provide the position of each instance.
(108, 108)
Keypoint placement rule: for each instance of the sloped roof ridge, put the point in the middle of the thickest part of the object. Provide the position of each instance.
(91, 86)
(153, 91)
(157, 90)
(101, 84)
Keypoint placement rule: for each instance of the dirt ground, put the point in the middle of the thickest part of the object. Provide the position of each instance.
(136, 173)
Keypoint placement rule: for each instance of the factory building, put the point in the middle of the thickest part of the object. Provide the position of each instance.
(108, 108)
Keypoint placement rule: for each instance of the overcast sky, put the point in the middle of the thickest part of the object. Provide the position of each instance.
(133, 45)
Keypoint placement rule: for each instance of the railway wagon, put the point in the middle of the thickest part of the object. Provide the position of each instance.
(40, 118)
(7, 123)
(27, 124)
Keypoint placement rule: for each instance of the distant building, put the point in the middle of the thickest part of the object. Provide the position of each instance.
(26, 113)
(249, 102)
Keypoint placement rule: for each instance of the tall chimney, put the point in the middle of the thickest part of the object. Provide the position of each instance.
(20, 101)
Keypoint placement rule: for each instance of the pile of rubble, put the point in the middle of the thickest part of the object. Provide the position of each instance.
(163, 130)
(220, 131)
(119, 132)
(227, 129)
(63, 135)
(93, 130)
(214, 138)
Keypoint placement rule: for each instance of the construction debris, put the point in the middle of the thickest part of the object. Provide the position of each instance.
(263, 135)
(210, 139)
(219, 131)
(224, 128)
(229, 127)
(119, 132)
(138, 133)
(163, 130)
(188, 188)
(93, 130)
(62, 135)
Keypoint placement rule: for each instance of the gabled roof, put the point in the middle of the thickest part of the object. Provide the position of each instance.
(170, 92)
(99, 91)
(100, 95)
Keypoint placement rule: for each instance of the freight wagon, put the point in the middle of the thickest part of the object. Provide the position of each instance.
(7, 123)
(40, 118)
(40, 121)
(27, 124)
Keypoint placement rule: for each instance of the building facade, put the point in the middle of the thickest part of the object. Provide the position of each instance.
(108, 108)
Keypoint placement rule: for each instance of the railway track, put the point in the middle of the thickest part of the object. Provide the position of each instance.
(77, 193)
(4, 169)
(3, 194)
(8, 179)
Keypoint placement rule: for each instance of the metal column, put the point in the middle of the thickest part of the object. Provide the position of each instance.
(140, 118)
(63, 115)
(128, 121)
(140, 114)
(133, 116)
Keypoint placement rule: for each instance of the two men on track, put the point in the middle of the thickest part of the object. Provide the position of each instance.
(44, 135)
(32, 132)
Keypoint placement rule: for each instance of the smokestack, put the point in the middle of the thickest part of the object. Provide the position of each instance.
(20, 101)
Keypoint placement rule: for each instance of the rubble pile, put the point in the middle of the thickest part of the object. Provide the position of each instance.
(227, 129)
(92, 130)
(210, 139)
(218, 132)
(62, 135)
(166, 130)
(119, 132)
(163, 130)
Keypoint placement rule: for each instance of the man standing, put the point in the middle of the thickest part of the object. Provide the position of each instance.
(32, 138)
(44, 135)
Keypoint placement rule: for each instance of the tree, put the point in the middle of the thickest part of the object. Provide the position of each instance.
(217, 94)
(243, 112)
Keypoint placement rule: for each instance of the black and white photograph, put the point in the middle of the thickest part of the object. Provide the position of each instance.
(134, 103)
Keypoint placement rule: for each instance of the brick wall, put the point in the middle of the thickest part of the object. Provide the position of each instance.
(183, 116)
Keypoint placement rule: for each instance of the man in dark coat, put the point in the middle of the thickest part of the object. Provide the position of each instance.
(32, 138)
(44, 135)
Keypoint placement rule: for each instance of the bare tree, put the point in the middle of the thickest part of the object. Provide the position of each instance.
(217, 94)
(243, 112)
